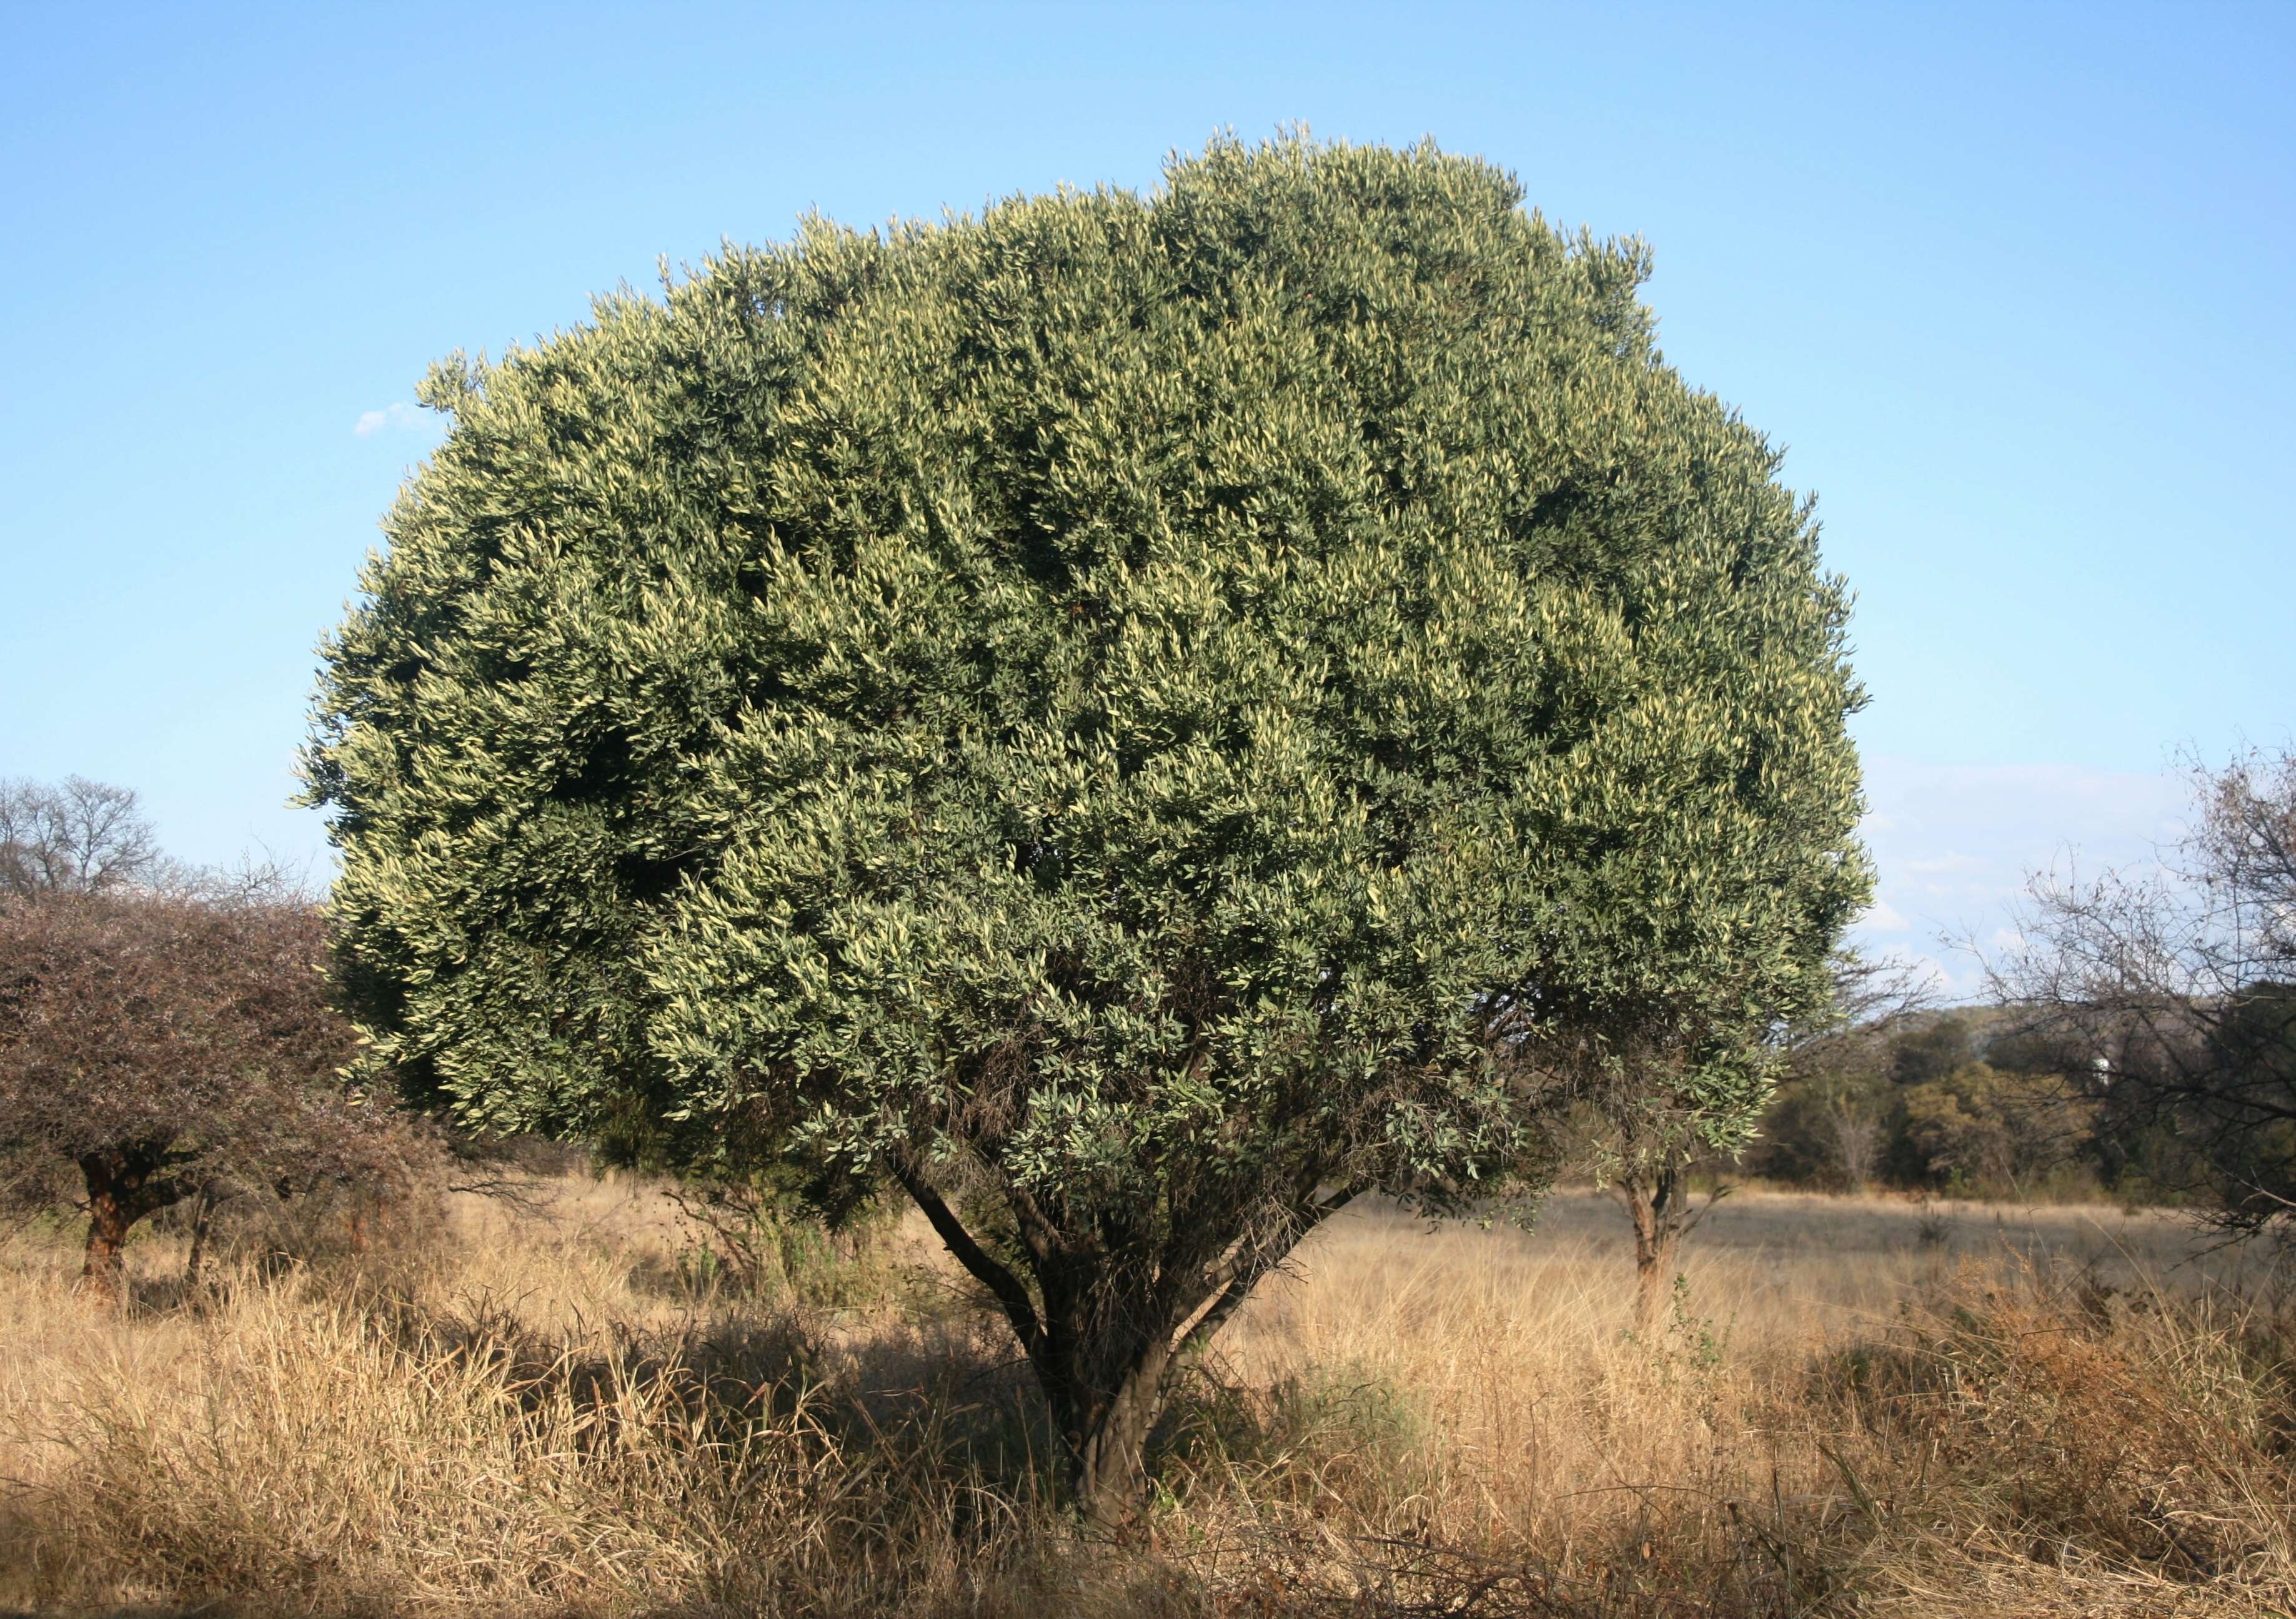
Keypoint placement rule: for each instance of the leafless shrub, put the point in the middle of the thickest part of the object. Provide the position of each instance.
(175, 1045)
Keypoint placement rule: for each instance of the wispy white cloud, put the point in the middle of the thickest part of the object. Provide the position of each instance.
(1955, 861)
(390, 418)
(1882, 917)
(1955, 845)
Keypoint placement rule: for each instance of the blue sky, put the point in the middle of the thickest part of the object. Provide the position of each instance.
(2012, 284)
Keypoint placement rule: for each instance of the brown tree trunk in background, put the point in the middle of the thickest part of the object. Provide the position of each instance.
(1653, 1203)
(111, 1190)
(123, 1186)
(200, 1217)
(1856, 1141)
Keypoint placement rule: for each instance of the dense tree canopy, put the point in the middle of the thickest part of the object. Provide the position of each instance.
(1116, 712)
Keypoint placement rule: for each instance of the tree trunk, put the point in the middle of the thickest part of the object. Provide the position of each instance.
(1855, 1137)
(1106, 1431)
(113, 1184)
(107, 1234)
(200, 1218)
(123, 1186)
(1653, 1203)
(1655, 1273)
(1103, 1348)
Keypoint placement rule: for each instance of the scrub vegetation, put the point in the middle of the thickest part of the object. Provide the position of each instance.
(560, 1406)
(989, 871)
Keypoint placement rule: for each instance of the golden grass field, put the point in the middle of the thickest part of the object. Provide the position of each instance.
(1858, 1406)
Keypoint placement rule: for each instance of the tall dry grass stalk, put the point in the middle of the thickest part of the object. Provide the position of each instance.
(557, 1411)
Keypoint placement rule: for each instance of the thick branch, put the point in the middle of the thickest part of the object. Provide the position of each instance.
(1037, 1233)
(1019, 1309)
(1241, 1272)
(1691, 1222)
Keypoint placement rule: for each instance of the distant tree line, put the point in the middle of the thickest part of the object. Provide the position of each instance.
(1966, 1101)
(2140, 1042)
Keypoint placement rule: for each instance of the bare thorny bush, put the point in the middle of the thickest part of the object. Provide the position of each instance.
(177, 1047)
(168, 1044)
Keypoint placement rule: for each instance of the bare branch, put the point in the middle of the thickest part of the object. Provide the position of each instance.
(2170, 994)
(83, 837)
(1241, 1273)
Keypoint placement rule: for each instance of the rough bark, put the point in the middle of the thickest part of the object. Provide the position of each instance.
(107, 1234)
(124, 1184)
(1105, 1422)
(1654, 1205)
(158, 1040)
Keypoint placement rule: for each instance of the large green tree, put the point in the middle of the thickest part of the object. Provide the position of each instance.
(1127, 716)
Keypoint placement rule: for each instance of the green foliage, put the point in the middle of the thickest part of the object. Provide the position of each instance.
(1978, 1127)
(1913, 1102)
(1688, 1352)
(1191, 646)
(1134, 693)
(1831, 1124)
(1929, 1051)
(2233, 1111)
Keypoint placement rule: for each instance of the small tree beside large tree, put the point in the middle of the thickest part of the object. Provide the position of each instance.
(159, 1041)
(1668, 1098)
(1136, 719)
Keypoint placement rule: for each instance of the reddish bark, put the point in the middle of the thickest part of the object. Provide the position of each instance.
(165, 1043)
(124, 1185)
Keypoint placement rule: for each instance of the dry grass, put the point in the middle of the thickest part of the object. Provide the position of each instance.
(1856, 1408)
